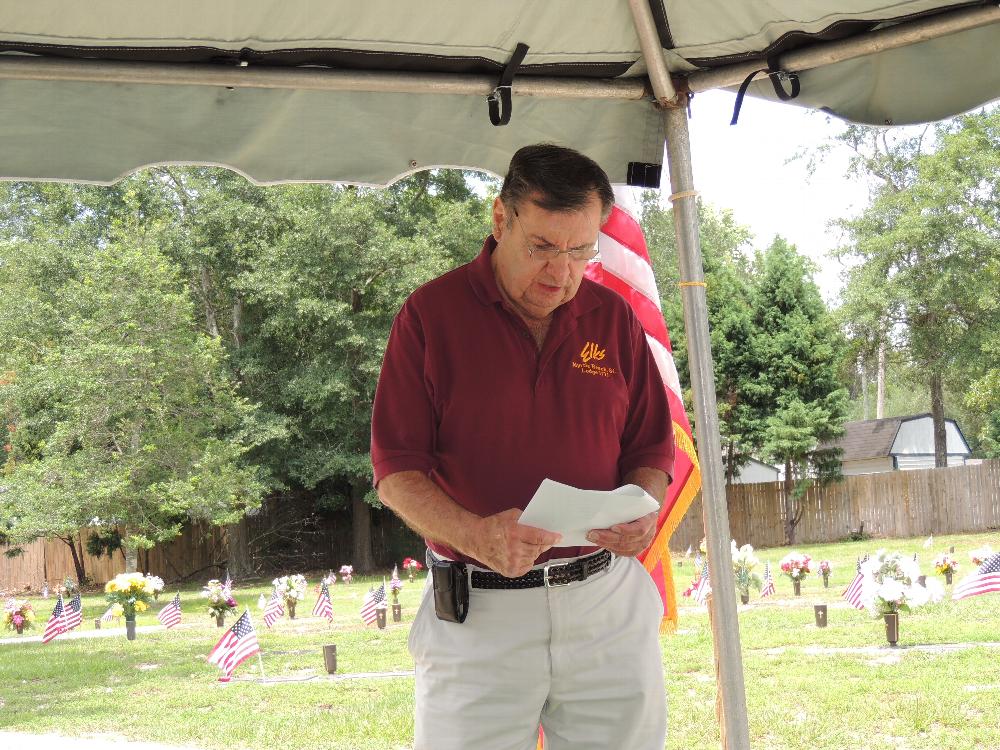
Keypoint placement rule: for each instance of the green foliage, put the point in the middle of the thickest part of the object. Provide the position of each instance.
(104, 542)
(927, 253)
(124, 412)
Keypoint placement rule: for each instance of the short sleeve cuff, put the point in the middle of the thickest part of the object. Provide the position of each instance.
(404, 462)
(664, 463)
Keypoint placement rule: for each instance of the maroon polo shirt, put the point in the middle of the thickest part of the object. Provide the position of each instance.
(466, 396)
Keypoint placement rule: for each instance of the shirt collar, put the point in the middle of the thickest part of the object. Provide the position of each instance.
(484, 284)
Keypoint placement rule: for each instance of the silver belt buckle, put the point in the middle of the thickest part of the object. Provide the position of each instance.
(545, 577)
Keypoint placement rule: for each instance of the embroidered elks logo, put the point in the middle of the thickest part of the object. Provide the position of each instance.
(591, 352)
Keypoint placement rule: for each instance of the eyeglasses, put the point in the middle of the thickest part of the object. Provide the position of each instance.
(545, 253)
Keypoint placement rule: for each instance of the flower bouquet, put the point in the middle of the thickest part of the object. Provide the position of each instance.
(979, 556)
(890, 587)
(155, 585)
(132, 593)
(346, 572)
(795, 565)
(744, 562)
(395, 586)
(945, 565)
(220, 601)
(412, 566)
(825, 568)
(18, 615)
(292, 589)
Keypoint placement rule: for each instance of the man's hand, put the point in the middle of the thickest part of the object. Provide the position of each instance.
(509, 548)
(627, 539)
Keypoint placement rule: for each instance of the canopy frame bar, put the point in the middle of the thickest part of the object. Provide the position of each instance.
(826, 53)
(24, 67)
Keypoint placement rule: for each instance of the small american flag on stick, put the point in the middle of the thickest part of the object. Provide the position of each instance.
(768, 588)
(370, 604)
(235, 646)
(323, 606)
(73, 614)
(170, 615)
(704, 586)
(984, 580)
(56, 624)
(274, 610)
(853, 592)
(109, 614)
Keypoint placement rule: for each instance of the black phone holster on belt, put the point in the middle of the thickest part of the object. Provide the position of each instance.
(451, 590)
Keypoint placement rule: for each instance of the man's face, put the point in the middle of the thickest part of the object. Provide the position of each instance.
(533, 285)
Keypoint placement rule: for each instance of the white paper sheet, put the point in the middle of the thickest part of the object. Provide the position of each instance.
(572, 512)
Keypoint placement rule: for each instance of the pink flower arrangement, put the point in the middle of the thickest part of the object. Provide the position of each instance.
(412, 566)
(346, 572)
(795, 565)
(825, 568)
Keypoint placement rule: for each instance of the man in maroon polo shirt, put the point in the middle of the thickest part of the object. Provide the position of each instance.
(503, 372)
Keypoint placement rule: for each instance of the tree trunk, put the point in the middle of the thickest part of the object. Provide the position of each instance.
(77, 557)
(789, 504)
(937, 414)
(863, 368)
(880, 397)
(238, 546)
(211, 324)
(361, 523)
(131, 552)
(729, 465)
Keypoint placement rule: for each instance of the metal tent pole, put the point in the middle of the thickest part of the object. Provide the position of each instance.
(725, 623)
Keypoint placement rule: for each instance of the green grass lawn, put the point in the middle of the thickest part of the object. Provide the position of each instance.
(806, 687)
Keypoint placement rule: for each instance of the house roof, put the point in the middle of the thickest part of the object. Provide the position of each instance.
(874, 438)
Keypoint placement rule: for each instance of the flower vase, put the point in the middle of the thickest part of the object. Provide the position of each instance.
(20, 628)
(397, 613)
(411, 575)
(130, 628)
(745, 598)
(156, 596)
(892, 628)
(797, 587)
(826, 580)
(291, 609)
(947, 578)
(220, 620)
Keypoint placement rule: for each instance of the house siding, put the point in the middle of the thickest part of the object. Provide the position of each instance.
(867, 466)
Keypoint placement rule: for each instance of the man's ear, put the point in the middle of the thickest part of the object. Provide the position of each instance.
(499, 218)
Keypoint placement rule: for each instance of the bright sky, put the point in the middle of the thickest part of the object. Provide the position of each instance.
(743, 168)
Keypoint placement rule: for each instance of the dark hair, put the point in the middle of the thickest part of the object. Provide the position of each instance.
(556, 179)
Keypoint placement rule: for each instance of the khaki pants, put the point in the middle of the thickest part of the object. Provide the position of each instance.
(583, 660)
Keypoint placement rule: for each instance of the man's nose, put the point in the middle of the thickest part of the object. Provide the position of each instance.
(558, 267)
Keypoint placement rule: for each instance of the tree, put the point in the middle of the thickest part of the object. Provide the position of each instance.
(926, 246)
(796, 348)
(728, 272)
(124, 414)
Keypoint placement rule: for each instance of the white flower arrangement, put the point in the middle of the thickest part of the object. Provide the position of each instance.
(744, 562)
(890, 585)
(154, 583)
(291, 588)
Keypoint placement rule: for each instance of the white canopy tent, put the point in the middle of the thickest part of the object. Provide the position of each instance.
(367, 92)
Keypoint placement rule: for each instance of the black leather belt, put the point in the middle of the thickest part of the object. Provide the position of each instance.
(550, 575)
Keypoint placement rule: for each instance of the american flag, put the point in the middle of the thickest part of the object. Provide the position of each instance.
(394, 582)
(109, 615)
(853, 592)
(170, 615)
(704, 587)
(56, 624)
(323, 606)
(227, 585)
(235, 646)
(986, 579)
(768, 588)
(73, 614)
(274, 610)
(370, 604)
(624, 265)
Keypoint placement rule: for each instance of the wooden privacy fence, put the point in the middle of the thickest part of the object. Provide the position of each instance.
(894, 504)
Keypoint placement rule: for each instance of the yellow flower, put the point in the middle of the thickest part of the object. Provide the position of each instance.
(141, 606)
(111, 586)
(117, 609)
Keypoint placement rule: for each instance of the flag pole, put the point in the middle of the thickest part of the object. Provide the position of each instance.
(260, 661)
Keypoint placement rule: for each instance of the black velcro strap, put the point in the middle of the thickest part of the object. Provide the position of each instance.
(559, 575)
(776, 75)
(499, 98)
